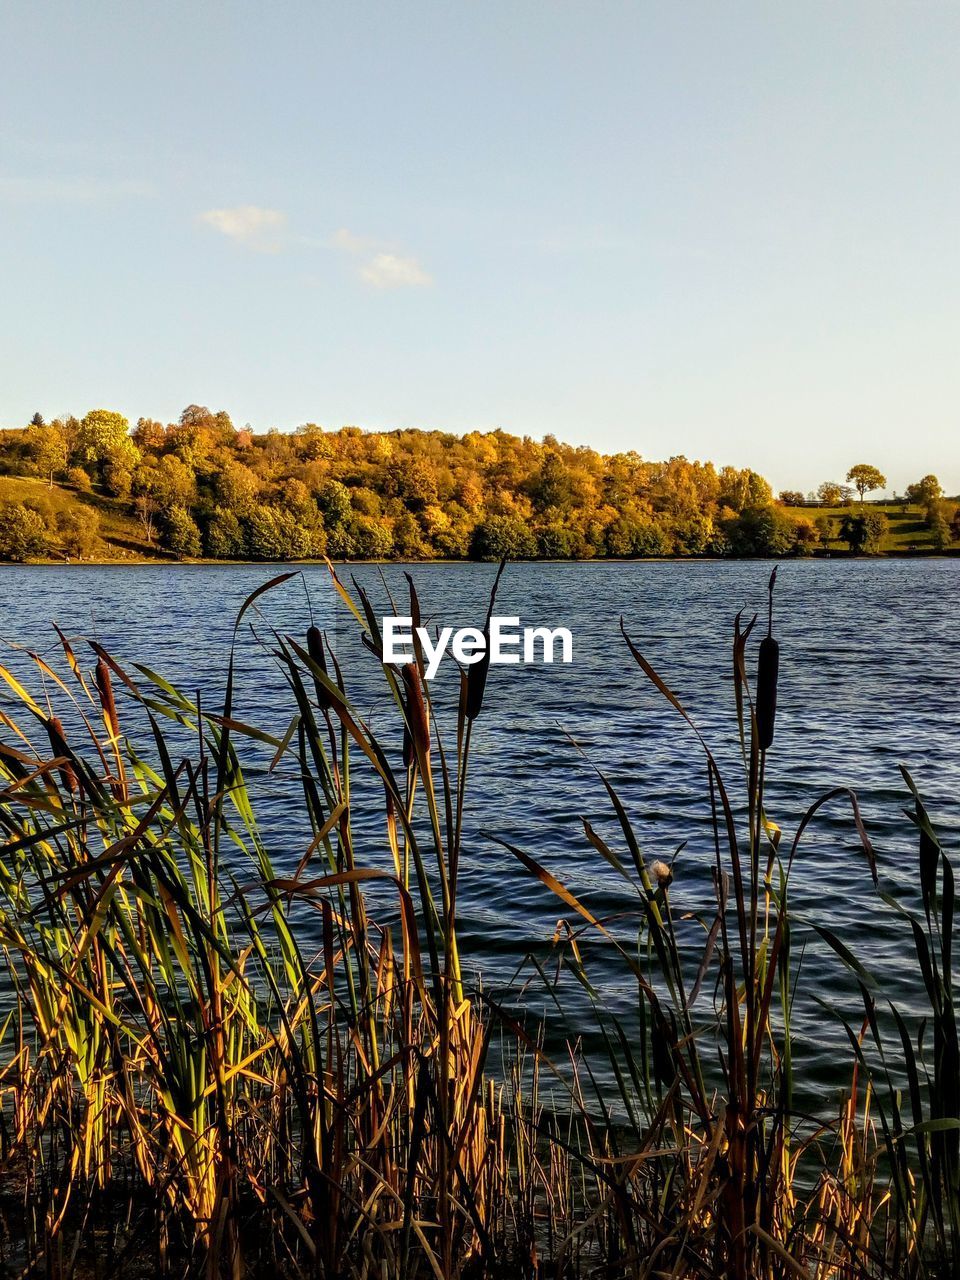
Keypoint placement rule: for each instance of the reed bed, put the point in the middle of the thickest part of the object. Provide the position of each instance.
(186, 1090)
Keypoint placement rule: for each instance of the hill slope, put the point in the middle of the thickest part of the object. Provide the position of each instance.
(120, 535)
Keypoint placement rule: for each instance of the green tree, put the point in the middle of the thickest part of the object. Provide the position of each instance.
(865, 479)
(180, 534)
(237, 487)
(276, 534)
(764, 531)
(628, 537)
(864, 533)
(23, 532)
(825, 530)
(739, 490)
(557, 541)
(553, 486)
(334, 503)
(172, 483)
(500, 536)
(408, 540)
(226, 538)
(937, 520)
(370, 540)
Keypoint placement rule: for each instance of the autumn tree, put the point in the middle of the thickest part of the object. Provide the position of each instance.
(924, 492)
(77, 528)
(740, 489)
(48, 449)
(865, 479)
(831, 494)
(102, 441)
(149, 435)
(23, 532)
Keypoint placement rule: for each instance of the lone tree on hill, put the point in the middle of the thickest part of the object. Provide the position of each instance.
(865, 478)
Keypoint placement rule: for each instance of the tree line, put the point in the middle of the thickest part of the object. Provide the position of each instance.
(200, 487)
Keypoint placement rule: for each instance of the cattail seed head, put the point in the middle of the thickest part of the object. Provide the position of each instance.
(107, 702)
(662, 873)
(477, 681)
(316, 651)
(768, 668)
(416, 709)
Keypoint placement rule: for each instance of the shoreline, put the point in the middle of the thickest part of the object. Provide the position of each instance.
(139, 562)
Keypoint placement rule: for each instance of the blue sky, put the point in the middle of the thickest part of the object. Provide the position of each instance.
(728, 230)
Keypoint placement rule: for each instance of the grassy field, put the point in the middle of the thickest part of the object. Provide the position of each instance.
(121, 537)
(906, 533)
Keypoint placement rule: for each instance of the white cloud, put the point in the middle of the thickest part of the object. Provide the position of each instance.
(389, 271)
(250, 225)
(378, 265)
(350, 243)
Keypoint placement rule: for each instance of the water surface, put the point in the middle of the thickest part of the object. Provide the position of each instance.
(870, 678)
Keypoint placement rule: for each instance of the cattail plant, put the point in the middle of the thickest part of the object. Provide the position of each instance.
(768, 669)
(184, 1077)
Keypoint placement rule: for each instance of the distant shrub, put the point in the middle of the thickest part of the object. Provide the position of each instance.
(79, 479)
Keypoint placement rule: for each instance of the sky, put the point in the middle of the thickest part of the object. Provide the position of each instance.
(719, 229)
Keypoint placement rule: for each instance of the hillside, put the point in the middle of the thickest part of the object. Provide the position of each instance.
(200, 488)
(119, 535)
(907, 531)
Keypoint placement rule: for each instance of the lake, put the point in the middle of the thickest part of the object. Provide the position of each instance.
(870, 677)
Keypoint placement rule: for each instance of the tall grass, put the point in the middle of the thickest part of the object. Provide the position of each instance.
(186, 1087)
